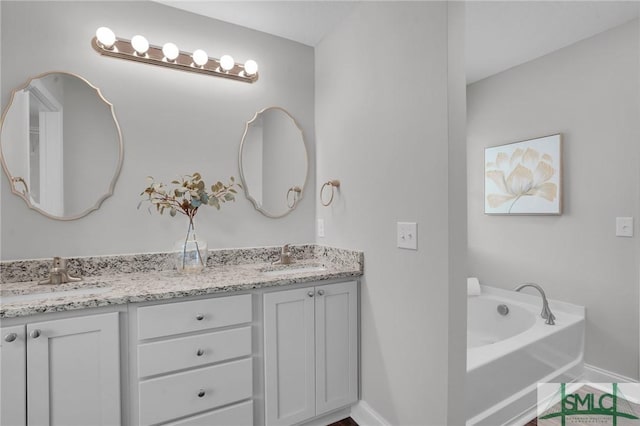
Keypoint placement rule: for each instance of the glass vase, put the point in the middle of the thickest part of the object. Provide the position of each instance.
(191, 253)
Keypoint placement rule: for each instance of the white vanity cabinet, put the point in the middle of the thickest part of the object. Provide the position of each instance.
(194, 362)
(62, 371)
(310, 351)
(13, 378)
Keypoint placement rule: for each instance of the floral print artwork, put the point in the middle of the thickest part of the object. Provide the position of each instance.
(523, 178)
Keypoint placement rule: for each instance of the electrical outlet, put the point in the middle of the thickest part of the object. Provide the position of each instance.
(321, 228)
(624, 227)
(408, 235)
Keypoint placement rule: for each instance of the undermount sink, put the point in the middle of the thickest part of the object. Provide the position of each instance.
(54, 294)
(292, 269)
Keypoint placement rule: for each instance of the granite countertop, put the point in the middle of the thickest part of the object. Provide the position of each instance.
(227, 271)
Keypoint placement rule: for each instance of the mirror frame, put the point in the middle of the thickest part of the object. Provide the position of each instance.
(255, 203)
(112, 184)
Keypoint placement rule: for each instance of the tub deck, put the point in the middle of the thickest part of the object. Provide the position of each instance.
(502, 375)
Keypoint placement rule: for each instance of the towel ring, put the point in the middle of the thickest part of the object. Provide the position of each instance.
(296, 195)
(332, 184)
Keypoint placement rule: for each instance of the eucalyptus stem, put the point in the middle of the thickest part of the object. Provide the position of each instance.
(185, 196)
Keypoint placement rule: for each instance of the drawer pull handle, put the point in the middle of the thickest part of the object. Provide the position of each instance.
(35, 333)
(310, 294)
(200, 352)
(320, 292)
(10, 337)
(200, 317)
(201, 393)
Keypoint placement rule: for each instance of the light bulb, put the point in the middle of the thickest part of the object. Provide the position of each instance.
(250, 67)
(200, 57)
(106, 37)
(140, 44)
(170, 51)
(226, 63)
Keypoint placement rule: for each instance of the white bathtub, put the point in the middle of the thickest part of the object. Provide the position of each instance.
(508, 355)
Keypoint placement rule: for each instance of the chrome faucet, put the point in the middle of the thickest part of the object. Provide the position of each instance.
(285, 256)
(59, 274)
(546, 312)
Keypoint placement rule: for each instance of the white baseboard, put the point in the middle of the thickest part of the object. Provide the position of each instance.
(364, 415)
(330, 418)
(594, 374)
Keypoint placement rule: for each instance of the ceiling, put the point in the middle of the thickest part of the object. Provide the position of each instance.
(303, 21)
(499, 34)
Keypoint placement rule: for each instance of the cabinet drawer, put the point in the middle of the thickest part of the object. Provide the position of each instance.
(236, 415)
(182, 394)
(183, 317)
(185, 352)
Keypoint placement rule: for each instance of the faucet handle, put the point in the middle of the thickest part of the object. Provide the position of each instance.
(58, 273)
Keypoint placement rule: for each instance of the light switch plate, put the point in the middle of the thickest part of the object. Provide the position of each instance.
(624, 227)
(408, 235)
(321, 228)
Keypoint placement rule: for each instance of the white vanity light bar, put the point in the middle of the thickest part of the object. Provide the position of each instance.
(138, 49)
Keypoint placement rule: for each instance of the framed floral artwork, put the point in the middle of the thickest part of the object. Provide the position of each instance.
(524, 178)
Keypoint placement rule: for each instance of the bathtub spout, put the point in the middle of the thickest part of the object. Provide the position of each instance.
(546, 311)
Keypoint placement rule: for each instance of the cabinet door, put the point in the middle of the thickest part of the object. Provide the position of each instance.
(336, 346)
(289, 356)
(73, 371)
(13, 376)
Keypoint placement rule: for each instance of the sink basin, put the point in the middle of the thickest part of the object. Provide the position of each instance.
(54, 294)
(293, 269)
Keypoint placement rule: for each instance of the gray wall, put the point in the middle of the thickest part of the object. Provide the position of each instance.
(383, 131)
(172, 123)
(589, 92)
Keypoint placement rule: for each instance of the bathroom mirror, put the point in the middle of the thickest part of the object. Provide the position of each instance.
(273, 162)
(60, 145)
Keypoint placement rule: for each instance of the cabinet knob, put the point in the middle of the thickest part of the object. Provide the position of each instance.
(310, 294)
(35, 333)
(200, 317)
(10, 337)
(200, 352)
(320, 292)
(201, 393)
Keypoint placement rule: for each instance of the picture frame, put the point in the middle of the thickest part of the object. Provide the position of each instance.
(524, 178)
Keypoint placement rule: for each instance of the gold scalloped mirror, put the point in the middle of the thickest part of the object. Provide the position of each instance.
(60, 145)
(273, 162)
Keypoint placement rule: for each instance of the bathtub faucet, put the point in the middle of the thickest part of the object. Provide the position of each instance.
(546, 312)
